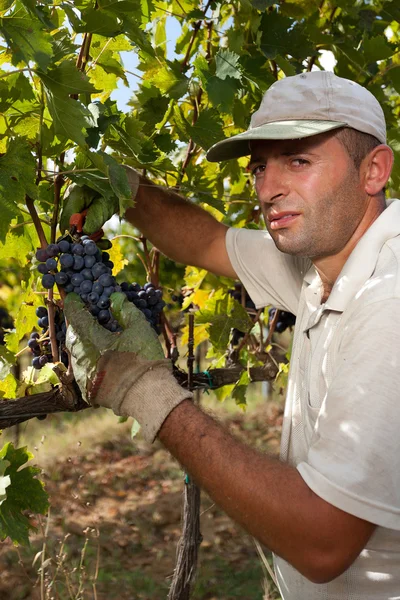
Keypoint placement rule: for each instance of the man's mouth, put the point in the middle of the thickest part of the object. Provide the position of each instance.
(283, 219)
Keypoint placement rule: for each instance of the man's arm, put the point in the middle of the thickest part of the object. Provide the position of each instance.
(267, 498)
(179, 229)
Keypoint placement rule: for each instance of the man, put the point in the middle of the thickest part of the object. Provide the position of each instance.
(330, 508)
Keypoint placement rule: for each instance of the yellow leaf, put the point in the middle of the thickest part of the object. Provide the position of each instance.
(117, 257)
(8, 386)
(200, 334)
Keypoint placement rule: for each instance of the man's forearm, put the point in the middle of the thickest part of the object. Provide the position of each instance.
(178, 228)
(268, 498)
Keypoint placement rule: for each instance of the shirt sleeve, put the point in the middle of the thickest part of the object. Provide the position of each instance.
(353, 459)
(269, 275)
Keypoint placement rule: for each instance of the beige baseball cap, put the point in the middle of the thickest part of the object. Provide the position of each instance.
(304, 105)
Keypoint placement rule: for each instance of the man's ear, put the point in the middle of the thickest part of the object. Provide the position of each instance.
(376, 168)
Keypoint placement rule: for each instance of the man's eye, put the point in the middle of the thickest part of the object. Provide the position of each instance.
(299, 162)
(257, 170)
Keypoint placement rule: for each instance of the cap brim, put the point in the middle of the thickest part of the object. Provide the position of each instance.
(238, 145)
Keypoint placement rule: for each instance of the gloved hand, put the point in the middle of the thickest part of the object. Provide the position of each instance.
(124, 371)
(100, 209)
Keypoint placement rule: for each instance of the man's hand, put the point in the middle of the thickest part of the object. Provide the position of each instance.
(99, 209)
(125, 371)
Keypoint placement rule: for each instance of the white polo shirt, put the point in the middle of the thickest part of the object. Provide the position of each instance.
(341, 426)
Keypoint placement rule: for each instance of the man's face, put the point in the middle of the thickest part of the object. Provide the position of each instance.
(310, 194)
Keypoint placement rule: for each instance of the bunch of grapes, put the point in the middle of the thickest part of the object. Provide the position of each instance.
(39, 344)
(84, 267)
(286, 320)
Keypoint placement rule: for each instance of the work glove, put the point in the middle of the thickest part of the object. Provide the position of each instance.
(99, 208)
(125, 371)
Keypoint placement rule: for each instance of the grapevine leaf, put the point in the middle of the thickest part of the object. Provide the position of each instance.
(65, 79)
(376, 48)
(26, 38)
(117, 177)
(223, 313)
(70, 117)
(17, 177)
(101, 22)
(240, 389)
(117, 257)
(7, 360)
(25, 493)
(227, 65)
(8, 386)
(207, 129)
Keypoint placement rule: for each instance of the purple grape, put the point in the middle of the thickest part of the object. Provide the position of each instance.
(124, 286)
(36, 363)
(94, 310)
(89, 261)
(77, 279)
(98, 269)
(78, 263)
(43, 360)
(87, 274)
(77, 249)
(64, 246)
(51, 264)
(33, 344)
(66, 260)
(86, 286)
(44, 322)
(41, 255)
(41, 311)
(106, 280)
(98, 288)
(103, 302)
(103, 316)
(35, 335)
(42, 269)
(53, 250)
(68, 288)
(61, 278)
(90, 248)
(93, 298)
(109, 290)
(48, 281)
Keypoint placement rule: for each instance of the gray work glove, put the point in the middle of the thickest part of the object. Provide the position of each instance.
(99, 208)
(125, 371)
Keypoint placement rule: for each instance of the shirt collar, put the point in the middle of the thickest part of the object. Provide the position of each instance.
(362, 261)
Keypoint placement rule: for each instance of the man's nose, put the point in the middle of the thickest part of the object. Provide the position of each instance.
(273, 185)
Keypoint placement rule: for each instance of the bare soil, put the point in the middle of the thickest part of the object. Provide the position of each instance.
(115, 521)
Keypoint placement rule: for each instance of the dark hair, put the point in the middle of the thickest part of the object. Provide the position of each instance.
(357, 144)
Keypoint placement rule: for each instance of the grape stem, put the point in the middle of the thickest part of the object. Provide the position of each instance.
(52, 327)
(35, 218)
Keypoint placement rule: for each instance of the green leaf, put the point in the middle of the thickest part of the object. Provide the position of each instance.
(283, 35)
(207, 129)
(170, 80)
(227, 65)
(25, 493)
(26, 38)
(377, 48)
(117, 177)
(65, 79)
(223, 313)
(70, 117)
(17, 178)
(101, 22)
(7, 360)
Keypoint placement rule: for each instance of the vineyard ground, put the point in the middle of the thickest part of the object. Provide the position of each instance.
(128, 493)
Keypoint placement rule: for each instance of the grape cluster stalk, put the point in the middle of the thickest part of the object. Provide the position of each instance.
(84, 267)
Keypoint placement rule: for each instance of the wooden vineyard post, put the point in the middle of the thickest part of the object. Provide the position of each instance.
(188, 545)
